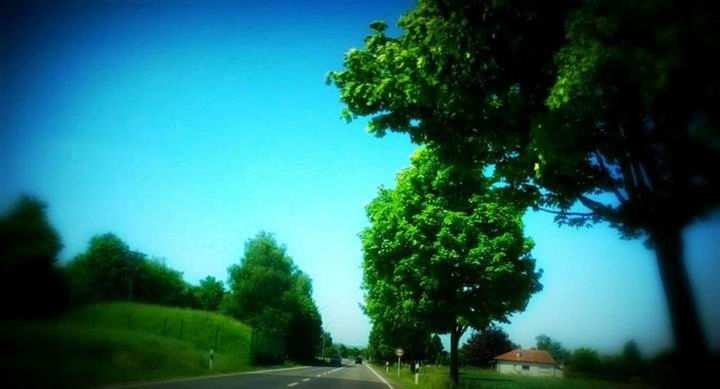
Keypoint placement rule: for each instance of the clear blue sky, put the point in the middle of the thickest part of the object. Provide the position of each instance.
(186, 129)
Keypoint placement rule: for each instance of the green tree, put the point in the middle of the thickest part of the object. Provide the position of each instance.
(594, 110)
(31, 285)
(105, 271)
(441, 252)
(631, 359)
(343, 350)
(435, 348)
(267, 291)
(585, 360)
(210, 293)
(553, 347)
(157, 283)
(485, 345)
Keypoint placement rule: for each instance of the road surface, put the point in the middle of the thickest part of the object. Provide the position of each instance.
(307, 377)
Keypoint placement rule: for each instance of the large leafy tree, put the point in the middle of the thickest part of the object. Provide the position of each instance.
(31, 285)
(592, 110)
(443, 253)
(484, 345)
(267, 291)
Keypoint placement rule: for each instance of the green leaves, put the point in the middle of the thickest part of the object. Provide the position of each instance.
(267, 291)
(442, 250)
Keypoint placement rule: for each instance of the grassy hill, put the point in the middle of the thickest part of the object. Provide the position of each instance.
(116, 342)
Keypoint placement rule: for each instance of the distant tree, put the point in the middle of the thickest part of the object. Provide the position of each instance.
(343, 350)
(585, 360)
(31, 285)
(378, 346)
(632, 359)
(559, 354)
(444, 253)
(109, 271)
(483, 346)
(267, 291)
(326, 341)
(157, 283)
(105, 271)
(434, 348)
(591, 110)
(209, 293)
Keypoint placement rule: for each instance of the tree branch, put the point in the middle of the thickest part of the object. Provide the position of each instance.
(565, 213)
(601, 163)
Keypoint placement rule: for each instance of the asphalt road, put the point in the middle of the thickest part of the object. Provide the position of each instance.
(310, 377)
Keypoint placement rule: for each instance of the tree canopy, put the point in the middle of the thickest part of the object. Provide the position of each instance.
(31, 285)
(555, 348)
(267, 291)
(443, 254)
(209, 293)
(109, 270)
(592, 110)
(484, 345)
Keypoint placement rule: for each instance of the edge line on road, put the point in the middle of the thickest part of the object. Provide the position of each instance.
(379, 376)
(170, 381)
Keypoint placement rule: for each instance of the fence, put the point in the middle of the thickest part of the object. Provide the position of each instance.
(266, 348)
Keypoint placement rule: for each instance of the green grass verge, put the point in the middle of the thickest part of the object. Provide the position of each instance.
(472, 378)
(118, 342)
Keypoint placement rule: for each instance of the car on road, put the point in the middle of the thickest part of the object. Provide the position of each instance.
(335, 360)
(358, 360)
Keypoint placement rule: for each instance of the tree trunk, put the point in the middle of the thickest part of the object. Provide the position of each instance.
(689, 340)
(454, 358)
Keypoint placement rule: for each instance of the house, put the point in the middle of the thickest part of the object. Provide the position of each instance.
(536, 363)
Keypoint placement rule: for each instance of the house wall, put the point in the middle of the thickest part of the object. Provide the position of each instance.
(534, 369)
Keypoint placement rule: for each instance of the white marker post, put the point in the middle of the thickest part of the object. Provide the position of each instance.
(211, 358)
(387, 366)
(417, 372)
(399, 352)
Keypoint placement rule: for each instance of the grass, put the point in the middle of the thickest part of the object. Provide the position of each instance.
(118, 342)
(472, 378)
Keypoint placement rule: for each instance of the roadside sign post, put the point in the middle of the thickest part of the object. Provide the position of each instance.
(399, 352)
(417, 372)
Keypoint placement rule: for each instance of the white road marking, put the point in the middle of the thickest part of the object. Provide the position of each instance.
(306, 379)
(319, 375)
(293, 384)
(378, 376)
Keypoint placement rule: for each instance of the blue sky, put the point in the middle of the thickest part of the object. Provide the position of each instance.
(186, 129)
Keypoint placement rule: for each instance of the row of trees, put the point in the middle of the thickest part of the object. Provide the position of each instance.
(596, 111)
(109, 271)
(483, 346)
(266, 290)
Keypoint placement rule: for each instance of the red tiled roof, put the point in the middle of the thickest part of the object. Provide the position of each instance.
(520, 355)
